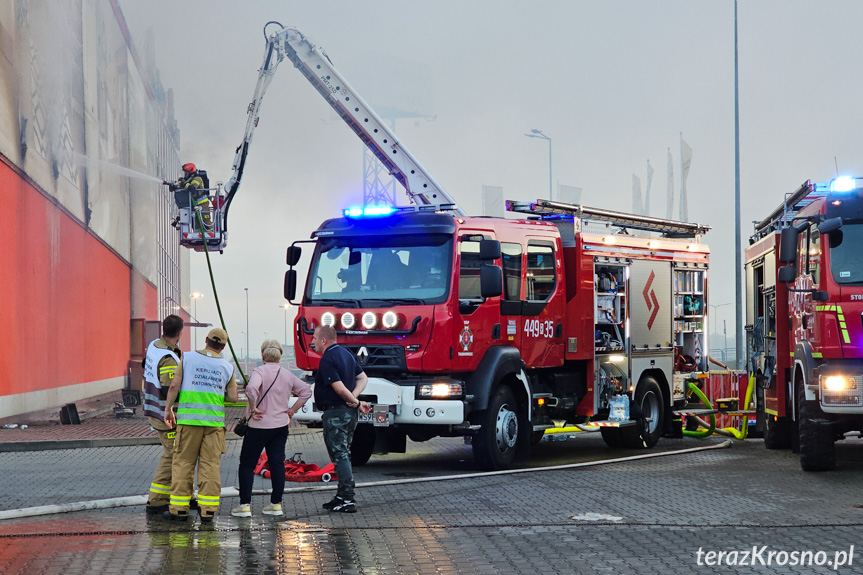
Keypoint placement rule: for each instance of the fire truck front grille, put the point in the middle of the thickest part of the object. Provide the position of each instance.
(849, 397)
(379, 358)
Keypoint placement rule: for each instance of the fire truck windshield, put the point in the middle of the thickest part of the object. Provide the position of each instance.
(374, 271)
(845, 260)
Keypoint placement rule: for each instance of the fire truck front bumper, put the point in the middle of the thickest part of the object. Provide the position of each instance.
(433, 402)
(839, 386)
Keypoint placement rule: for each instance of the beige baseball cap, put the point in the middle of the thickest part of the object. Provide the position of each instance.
(218, 335)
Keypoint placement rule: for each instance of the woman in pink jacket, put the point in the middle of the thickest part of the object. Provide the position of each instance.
(269, 392)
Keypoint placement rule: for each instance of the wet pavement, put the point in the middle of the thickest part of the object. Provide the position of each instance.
(641, 516)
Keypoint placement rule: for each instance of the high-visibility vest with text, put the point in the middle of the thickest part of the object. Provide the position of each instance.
(202, 392)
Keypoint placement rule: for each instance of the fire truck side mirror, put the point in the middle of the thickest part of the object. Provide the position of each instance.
(491, 280)
(294, 253)
(489, 250)
(830, 225)
(788, 246)
(290, 285)
(787, 274)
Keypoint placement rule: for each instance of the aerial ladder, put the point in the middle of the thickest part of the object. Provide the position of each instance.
(312, 61)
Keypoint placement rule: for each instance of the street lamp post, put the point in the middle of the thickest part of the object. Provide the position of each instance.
(286, 306)
(245, 359)
(714, 310)
(248, 353)
(724, 349)
(541, 136)
(195, 297)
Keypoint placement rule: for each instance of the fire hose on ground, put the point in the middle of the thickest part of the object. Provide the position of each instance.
(710, 427)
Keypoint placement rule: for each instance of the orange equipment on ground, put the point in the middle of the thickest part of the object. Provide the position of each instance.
(298, 470)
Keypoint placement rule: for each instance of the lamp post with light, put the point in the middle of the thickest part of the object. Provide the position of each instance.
(714, 310)
(195, 297)
(286, 306)
(541, 136)
(724, 349)
(245, 357)
(248, 353)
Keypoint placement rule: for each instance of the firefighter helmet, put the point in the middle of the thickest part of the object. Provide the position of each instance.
(190, 168)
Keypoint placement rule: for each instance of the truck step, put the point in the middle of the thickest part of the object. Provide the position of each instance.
(609, 424)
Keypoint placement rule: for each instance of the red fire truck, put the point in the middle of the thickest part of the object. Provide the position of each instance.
(497, 329)
(804, 284)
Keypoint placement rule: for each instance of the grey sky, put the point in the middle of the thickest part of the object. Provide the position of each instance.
(613, 83)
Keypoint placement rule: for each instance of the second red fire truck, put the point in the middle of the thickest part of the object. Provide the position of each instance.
(804, 282)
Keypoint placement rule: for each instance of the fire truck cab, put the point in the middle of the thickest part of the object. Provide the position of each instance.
(498, 329)
(804, 283)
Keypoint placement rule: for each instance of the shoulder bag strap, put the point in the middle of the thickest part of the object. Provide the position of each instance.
(269, 388)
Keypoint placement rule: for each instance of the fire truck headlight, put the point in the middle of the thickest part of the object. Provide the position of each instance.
(440, 390)
(328, 319)
(835, 383)
(390, 320)
(370, 320)
(348, 320)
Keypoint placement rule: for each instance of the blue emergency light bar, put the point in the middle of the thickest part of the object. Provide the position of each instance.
(843, 184)
(368, 211)
(382, 211)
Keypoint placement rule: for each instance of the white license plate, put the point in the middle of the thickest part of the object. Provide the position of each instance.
(379, 416)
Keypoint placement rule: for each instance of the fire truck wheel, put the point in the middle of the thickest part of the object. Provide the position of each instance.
(612, 436)
(536, 437)
(777, 432)
(363, 444)
(649, 398)
(817, 451)
(494, 446)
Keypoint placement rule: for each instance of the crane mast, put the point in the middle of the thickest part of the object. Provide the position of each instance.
(312, 61)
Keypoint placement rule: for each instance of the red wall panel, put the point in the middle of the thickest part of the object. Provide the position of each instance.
(65, 296)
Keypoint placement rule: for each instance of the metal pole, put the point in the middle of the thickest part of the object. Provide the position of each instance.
(248, 352)
(286, 325)
(195, 329)
(550, 192)
(738, 263)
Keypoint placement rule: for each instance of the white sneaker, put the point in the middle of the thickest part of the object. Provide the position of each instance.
(273, 509)
(242, 511)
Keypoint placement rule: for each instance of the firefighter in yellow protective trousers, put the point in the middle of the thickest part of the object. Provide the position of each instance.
(160, 366)
(203, 381)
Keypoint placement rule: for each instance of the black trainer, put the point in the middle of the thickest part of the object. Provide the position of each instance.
(171, 517)
(346, 507)
(207, 518)
(332, 503)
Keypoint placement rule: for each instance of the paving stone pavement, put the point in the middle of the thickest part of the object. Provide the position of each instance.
(668, 509)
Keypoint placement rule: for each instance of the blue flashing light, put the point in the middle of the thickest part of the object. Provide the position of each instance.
(369, 212)
(843, 184)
